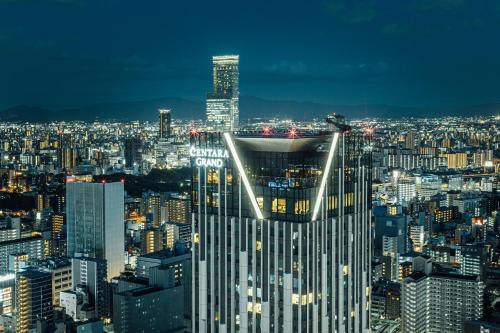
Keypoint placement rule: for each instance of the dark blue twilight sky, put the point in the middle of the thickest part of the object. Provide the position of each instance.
(69, 53)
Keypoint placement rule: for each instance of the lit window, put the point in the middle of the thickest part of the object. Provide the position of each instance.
(229, 177)
(332, 202)
(213, 177)
(279, 205)
(260, 202)
(301, 206)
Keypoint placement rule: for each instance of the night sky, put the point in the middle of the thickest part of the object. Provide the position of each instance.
(428, 53)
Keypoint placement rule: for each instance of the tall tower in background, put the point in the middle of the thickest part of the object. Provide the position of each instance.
(223, 102)
(281, 232)
(165, 123)
(95, 222)
(132, 151)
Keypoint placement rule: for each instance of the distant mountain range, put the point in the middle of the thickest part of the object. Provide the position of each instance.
(250, 107)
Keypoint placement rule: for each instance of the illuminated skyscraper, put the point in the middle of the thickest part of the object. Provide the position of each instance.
(281, 232)
(95, 219)
(223, 102)
(165, 123)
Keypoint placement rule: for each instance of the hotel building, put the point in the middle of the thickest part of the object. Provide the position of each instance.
(281, 232)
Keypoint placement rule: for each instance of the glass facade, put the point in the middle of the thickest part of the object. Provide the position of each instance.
(223, 102)
(95, 215)
(289, 271)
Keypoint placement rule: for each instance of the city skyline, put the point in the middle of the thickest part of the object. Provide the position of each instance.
(428, 53)
(322, 166)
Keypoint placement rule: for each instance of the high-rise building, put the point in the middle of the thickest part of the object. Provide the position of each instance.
(440, 302)
(30, 248)
(456, 160)
(67, 158)
(154, 206)
(132, 152)
(390, 222)
(95, 222)
(178, 209)
(156, 305)
(60, 269)
(33, 299)
(57, 222)
(152, 240)
(473, 259)
(165, 123)
(223, 102)
(89, 274)
(406, 190)
(281, 232)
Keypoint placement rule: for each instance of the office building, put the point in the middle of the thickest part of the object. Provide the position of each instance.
(440, 302)
(33, 299)
(223, 102)
(28, 248)
(392, 223)
(95, 222)
(60, 269)
(281, 232)
(89, 275)
(132, 151)
(165, 117)
(156, 305)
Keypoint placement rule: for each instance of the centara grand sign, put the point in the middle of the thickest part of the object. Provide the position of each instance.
(209, 157)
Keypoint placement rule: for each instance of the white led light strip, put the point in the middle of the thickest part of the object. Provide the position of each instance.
(317, 205)
(232, 149)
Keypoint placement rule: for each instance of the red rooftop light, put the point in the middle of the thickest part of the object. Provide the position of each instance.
(368, 131)
(193, 132)
(292, 133)
(266, 130)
